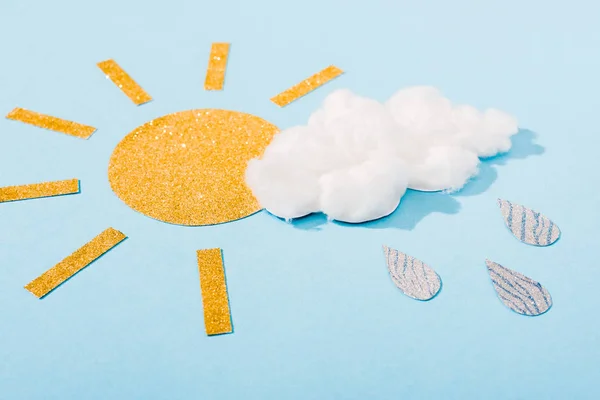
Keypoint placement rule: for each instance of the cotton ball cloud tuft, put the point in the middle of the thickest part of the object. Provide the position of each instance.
(356, 157)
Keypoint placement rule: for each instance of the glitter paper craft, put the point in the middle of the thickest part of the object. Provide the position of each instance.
(307, 86)
(51, 123)
(527, 225)
(39, 190)
(188, 168)
(217, 64)
(518, 292)
(412, 276)
(217, 317)
(81, 258)
(124, 82)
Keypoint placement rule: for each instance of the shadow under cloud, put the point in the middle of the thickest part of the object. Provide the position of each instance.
(523, 146)
(413, 207)
(416, 205)
(312, 222)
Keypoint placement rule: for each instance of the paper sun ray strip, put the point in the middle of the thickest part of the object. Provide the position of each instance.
(124, 82)
(217, 318)
(307, 86)
(217, 64)
(412, 276)
(51, 123)
(81, 258)
(527, 225)
(38, 190)
(518, 292)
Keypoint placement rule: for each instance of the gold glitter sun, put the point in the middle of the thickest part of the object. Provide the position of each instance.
(185, 168)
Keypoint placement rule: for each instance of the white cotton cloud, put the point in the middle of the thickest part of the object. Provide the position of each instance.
(356, 157)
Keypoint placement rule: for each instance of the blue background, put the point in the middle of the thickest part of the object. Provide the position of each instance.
(316, 315)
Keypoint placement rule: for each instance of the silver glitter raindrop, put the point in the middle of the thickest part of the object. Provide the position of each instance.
(518, 292)
(527, 225)
(412, 276)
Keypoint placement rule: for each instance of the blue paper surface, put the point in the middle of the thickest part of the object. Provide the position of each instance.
(315, 313)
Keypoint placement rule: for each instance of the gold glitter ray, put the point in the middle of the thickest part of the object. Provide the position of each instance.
(188, 168)
(217, 317)
(38, 190)
(124, 82)
(81, 258)
(217, 64)
(51, 123)
(307, 86)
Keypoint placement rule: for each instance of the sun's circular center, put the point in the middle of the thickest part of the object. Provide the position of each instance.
(188, 167)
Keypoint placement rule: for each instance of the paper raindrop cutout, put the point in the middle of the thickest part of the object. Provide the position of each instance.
(518, 292)
(527, 225)
(412, 276)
